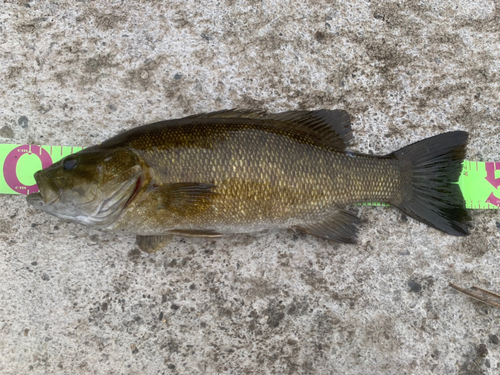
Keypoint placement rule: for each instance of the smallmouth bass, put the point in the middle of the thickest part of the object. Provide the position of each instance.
(243, 171)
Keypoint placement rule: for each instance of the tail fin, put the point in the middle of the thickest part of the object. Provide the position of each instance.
(431, 194)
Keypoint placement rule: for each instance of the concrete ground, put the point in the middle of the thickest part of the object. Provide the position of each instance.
(79, 301)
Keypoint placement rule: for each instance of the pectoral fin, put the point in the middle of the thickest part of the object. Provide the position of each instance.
(342, 227)
(185, 197)
(150, 244)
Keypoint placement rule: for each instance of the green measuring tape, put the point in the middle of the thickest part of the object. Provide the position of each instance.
(478, 181)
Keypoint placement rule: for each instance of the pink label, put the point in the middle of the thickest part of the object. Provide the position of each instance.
(491, 168)
(10, 167)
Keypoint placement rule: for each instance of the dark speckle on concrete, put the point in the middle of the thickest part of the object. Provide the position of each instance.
(274, 315)
(320, 36)
(474, 360)
(414, 286)
(206, 37)
(134, 349)
(23, 121)
(6, 132)
(493, 339)
(482, 350)
(134, 254)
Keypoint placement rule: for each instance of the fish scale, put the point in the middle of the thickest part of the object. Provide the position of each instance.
(256, 170)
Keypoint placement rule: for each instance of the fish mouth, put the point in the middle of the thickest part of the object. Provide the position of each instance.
(49, 192)
(35, 199)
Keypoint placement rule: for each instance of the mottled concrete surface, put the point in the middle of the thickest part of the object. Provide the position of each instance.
(78, 301)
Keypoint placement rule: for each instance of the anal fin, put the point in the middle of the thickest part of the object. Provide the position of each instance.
(151, 244)
(342, 227)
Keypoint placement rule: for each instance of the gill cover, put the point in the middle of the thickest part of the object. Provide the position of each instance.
(91, 187)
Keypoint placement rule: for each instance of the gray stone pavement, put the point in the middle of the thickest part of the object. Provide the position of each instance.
(79, 301)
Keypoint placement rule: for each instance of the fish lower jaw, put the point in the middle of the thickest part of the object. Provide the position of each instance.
(35, 200)
(38, 198)
(88, 221)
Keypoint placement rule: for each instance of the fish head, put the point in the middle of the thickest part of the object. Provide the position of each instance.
(91, 187)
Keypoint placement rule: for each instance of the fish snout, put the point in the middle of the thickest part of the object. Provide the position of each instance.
(49, 191)
(37, 176)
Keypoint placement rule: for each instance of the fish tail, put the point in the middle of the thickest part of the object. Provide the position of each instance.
(430, 192)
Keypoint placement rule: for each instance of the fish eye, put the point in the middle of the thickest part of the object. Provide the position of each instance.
(70, 163)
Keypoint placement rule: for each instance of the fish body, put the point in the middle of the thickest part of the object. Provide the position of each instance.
(245, 171)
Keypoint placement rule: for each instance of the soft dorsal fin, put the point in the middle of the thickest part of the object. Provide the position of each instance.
(331, 128)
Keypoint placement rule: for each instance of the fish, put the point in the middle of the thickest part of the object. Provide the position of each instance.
(243, 171)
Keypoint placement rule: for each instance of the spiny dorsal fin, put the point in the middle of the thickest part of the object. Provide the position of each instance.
(331, 128)
(232, 113)
(342, 227)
